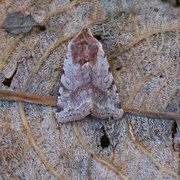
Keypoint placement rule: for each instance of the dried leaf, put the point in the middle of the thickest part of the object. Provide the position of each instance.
(17, 23)
(141, 41)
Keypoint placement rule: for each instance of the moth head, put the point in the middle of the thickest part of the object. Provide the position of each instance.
(84, 47)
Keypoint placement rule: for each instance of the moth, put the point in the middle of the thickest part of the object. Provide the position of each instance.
(87, 86)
